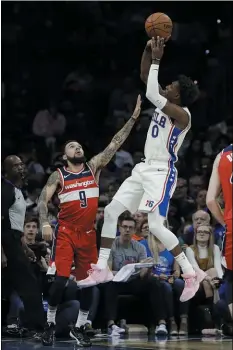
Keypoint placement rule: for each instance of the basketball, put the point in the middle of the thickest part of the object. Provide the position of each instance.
(158, 24)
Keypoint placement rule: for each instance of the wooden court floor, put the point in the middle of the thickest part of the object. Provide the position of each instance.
(131, 343)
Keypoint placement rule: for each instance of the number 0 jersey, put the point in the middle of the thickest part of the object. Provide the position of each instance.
(164, 138)
(78, 197)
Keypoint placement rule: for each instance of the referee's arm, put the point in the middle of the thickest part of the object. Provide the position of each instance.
(7, 199)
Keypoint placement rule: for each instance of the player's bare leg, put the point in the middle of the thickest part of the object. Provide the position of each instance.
(192, 278)
(100, 272)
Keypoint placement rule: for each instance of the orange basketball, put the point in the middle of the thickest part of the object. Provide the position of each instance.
(158, 24)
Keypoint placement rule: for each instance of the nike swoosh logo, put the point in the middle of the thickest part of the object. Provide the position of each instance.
(89, 231)
(65, 176)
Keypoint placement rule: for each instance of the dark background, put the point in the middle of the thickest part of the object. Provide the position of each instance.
(84, 59)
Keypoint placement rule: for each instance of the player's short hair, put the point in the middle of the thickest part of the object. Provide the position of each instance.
(189, 91)
(66, 143)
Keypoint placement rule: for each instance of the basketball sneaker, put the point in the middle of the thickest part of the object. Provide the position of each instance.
(192, 284)
(80, 336)
(161, 329)
(48, 336)
(115, 331)
(96, 276)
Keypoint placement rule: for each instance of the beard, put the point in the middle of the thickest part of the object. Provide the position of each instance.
(76, 160)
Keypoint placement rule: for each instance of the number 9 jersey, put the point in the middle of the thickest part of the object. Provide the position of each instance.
(164, 138)
(78, 198)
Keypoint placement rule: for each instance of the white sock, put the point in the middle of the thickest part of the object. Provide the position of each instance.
(184, 264)
(103, 258)
(51, 314)
(82, 318)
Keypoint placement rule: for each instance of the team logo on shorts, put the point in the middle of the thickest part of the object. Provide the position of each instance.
(150, 204)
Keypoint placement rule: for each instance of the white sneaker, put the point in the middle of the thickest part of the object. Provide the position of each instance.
(115, 331)
(161, 330)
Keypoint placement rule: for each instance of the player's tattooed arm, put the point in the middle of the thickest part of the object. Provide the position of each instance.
(46, 195)
(103, 158)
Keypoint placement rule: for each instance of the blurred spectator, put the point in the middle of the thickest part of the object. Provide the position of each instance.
(168, 273)
(123, 157)
(144, 228)
(28, 154)
(139, 218)
(122, 99)
(49, 123)
(112, 190)
(201, 200)
(127, 251)
(33, 192)
(196, 184)
(181, 198)
(205, 255)
(31, 228)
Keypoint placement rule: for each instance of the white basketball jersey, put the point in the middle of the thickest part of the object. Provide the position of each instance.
(164, 138)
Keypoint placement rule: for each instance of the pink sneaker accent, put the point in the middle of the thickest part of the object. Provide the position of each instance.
(190, 288)
(87, 282)
(96, 276)
(103, 275)
(200, 274)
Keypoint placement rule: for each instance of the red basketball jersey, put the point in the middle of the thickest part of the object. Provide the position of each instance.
(225, 174)
(78, 197)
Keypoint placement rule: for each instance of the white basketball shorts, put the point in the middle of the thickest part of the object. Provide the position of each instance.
(149, 187)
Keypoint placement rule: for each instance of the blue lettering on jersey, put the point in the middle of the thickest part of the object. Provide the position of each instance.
(159, 120)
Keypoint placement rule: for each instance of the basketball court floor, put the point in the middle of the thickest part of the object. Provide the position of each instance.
(129, 343)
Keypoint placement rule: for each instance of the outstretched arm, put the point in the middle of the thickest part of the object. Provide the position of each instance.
(153, 94)
(45, 196)
(145, 65)
(103, 158)
(214, 192)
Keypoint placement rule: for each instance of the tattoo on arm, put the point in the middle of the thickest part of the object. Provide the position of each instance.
(45, 196)
(103, 158)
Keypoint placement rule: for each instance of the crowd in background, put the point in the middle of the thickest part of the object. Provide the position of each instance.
(70, 70)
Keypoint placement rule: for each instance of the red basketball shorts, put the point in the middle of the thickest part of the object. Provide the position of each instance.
(227, 252)
(74, 245)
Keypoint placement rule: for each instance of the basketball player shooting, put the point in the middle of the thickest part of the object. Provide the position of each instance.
(221, 180)
(78, 192)
(153, 181)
